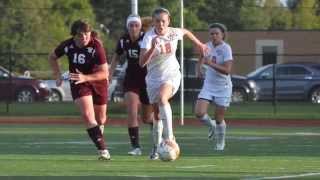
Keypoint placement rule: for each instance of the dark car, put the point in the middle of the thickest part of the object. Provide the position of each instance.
(294, 81)
(21, 89)
(242, 89)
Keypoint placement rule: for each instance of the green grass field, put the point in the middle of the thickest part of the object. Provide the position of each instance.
(39, 151)
(252, 110)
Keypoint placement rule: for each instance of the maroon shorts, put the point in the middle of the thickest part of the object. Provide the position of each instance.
(142, 92)
(98, 90)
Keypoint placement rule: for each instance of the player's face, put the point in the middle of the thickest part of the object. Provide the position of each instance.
(134, 28)
(216, 35)
(161, 23)
(82, 38)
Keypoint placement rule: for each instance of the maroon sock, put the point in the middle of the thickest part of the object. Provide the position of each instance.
(134, 136)
(97, 137)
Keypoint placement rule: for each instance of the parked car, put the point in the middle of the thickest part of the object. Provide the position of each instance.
(21, 89)
(63, 92)
(242, 89)
(294, 81)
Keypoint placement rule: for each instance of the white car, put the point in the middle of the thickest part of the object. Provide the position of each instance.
(63, 93)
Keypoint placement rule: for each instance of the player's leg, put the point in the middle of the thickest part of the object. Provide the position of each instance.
(221, 105)
(85, 104)
(156, 133)
(165, 110)
(101, 115)
(132, 104)
(201, 110)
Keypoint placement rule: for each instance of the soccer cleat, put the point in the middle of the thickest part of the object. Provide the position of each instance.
(135, 152)
(154, 154)
(220, 142)
(104, 155)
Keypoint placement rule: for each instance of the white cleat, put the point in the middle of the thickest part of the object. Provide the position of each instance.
(135, 152)
(104, 155)
(154, 154)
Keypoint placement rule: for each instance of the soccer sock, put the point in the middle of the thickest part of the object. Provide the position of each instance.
(157, 132)
(101, 128)
(134, 136)
(221, 128)
(205, 119)
(97, 137)
(166, 115)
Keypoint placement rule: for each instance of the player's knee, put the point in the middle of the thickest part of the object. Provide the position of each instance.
(199, 114)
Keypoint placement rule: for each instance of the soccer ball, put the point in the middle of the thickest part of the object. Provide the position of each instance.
(169, 150)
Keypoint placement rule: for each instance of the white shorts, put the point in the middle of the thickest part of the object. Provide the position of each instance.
(210, 96)
(153, 86)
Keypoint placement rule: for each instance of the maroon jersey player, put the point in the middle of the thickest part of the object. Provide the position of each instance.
(134, 82)
(88, 79)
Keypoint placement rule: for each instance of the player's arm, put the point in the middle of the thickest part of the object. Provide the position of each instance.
(202, 47)
(55, 67)
(101, 72)
(146, 54)
(113, 65)
(224, 68)
(199, 69)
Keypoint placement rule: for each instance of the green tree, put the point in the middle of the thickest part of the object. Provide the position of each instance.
(305, 13)
(37, 26)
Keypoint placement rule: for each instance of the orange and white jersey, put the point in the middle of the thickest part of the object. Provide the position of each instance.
(163, 63)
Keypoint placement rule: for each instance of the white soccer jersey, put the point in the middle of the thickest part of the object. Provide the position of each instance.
(218, 84)
(163, 63)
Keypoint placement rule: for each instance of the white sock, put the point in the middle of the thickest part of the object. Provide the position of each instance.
(101, 128)
(205, 119)
(221, 128)
(157, 132)
(166, 115)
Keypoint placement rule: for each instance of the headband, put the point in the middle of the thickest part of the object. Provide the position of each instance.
(133, 19)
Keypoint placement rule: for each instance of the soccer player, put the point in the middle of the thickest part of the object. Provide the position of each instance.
(217, 86)
(158, 50)
(88, 79)
(134, 82)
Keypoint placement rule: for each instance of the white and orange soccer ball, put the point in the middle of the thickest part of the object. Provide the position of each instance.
(169, 150)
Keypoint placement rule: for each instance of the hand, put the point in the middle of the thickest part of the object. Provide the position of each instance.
(208, 60)
(78, 77)
(155, 42)
(59, 82)
(203, 49)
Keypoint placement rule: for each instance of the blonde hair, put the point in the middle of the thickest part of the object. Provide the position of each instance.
(146, 23)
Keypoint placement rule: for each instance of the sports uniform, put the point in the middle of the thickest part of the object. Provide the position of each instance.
(85, 60)
(217, 87)
(163, 66)
(134, 79)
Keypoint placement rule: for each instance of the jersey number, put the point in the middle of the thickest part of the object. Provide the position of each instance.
(133, 53)
(79, 59)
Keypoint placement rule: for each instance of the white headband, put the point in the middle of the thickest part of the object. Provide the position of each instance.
(133, 19)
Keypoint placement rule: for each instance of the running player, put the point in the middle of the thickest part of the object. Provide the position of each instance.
(158, 50)
(88, 79)
(134, 82)
(217, 86)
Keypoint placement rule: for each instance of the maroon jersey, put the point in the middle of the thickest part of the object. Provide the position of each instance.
(85, 59)
(135, 74)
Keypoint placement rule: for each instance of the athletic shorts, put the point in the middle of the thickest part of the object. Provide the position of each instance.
(142, 92)
(211, 97)
(98, 90)
(153, 86)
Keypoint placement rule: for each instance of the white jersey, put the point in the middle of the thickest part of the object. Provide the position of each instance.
(218, 84)
(163, 63)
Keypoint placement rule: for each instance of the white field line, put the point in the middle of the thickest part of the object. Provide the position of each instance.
(193, 167)
(286, 177)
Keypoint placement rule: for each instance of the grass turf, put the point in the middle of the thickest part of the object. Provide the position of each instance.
(39, 151)
(252, 110)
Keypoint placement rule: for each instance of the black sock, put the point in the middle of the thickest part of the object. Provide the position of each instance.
(97, 137)
(134, 136)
